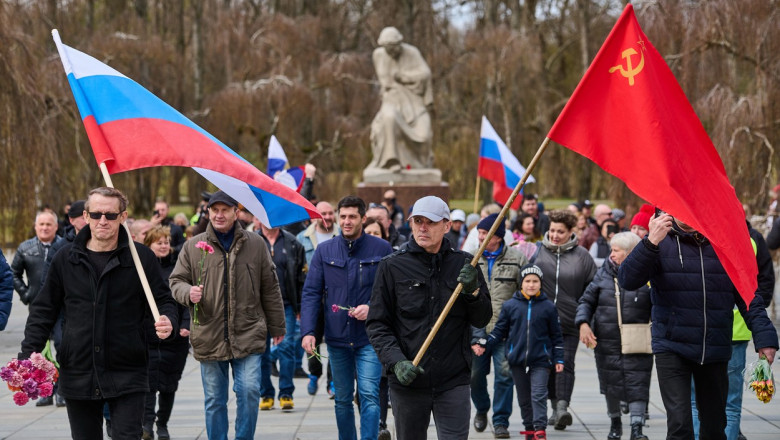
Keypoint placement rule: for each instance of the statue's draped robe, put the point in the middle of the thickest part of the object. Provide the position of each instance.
(401, 131)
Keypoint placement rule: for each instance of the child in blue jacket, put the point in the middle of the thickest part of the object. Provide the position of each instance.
(529, 323)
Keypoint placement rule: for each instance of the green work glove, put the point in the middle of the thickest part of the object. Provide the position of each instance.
(468, 277)
(406, 372)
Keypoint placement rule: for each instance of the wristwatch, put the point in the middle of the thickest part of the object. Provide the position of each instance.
(482, 341)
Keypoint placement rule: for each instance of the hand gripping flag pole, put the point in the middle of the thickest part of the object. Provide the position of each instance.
(477, 254)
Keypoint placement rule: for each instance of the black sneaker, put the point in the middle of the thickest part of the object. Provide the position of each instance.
(59, 401)
(45, 401)
(480, 422)
(500, 431)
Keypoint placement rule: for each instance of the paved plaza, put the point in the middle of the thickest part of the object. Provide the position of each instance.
(313, 417)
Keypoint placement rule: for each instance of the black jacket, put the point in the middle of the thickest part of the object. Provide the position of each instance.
(693, 298)
(532, 331)
(567, 270)
(410, 291)
(625, 377)
(104, 348)
(294, 275)
(30, 258)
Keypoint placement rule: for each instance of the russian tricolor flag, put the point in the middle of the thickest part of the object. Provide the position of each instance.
(498, 164)
(278, 163)
(130, 128)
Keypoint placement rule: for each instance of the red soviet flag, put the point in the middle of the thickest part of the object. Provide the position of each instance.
(630, 116)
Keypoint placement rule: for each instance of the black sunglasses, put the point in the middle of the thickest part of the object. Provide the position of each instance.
(109, 215)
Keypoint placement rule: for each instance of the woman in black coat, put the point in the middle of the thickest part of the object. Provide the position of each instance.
(622, 377)
(166, 358)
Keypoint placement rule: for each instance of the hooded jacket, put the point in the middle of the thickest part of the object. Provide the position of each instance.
(532, 331)
(241, 301)
(104, 349)
(622, 376)
(411, 289)
(693, 298)
(567, 270)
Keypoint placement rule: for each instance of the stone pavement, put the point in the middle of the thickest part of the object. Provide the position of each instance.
(313, 416)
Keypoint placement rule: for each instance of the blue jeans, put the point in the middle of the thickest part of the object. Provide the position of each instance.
(346, 363)
(246, 385)
(502, 385)
(734, 398)
(285, 352)
(532, 396)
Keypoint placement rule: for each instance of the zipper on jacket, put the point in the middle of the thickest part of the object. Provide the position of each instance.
(704, 294)
(225, 286)
(557, 274)
(528, 336)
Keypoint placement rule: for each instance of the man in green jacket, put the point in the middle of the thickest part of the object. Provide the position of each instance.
(235, 302)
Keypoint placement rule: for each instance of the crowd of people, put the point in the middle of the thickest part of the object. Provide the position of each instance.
(370, 280)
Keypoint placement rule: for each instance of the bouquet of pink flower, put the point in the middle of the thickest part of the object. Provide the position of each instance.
(30, 379)
(205, 250)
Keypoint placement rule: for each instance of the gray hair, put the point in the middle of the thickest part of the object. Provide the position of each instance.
(389, 35)
(625, 240)
(49, 213)
(108, 192)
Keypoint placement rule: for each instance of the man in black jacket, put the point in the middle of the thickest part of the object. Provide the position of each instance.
(94, 283)
(693, 301)
(290, 261)
(411, 289)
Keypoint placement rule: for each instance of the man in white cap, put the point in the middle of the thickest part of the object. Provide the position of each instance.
(411, 288)
(456, 236)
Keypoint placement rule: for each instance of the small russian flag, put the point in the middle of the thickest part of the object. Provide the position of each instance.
(498, 164)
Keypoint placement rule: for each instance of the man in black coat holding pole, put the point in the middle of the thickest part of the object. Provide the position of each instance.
(410, 291)
(95, 284)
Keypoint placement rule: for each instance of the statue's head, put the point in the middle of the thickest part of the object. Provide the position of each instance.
(390, 38)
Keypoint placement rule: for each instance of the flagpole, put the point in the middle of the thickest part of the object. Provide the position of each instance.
(136, 259)
(476, 195)
(482, 247)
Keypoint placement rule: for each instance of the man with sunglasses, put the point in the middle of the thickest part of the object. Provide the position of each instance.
(94, 283)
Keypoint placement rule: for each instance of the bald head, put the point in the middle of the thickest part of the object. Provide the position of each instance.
(602, 212)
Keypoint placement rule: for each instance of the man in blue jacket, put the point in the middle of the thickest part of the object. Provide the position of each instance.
(342, 271)
(693, 300)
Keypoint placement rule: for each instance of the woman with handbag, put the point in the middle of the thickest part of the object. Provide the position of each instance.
(616, 323)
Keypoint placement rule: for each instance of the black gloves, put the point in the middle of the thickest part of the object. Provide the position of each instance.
(468, 277)
(406, 372)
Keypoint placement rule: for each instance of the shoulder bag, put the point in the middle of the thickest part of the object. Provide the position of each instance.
(634, 338)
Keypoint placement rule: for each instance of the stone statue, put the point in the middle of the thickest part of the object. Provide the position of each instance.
(401, 131)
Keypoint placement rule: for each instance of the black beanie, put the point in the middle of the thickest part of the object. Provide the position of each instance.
(487, 222)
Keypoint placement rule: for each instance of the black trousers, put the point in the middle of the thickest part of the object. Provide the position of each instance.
(711, 381)
(163, 413)
(412, 411)
(86, 417)
(560, 385)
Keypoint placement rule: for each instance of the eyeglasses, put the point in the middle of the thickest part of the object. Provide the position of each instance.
(109, 215)
(377, 205)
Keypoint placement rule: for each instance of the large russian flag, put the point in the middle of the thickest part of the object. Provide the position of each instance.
(278, 163)
(498, 164)
(130, 128)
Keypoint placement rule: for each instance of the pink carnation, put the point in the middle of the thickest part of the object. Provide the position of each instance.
(16, 381)
(20, 398)
(334, 308)
(205, 247)
(39, 375)
(45, 389)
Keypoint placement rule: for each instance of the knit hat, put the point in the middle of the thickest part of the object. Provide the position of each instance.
(618, 214)
(76, 209)
(642, 218)
(530, 269)
(487, 223)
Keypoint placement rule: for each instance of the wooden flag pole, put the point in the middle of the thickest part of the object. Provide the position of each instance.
(475, 260)
(476, 195)
(134, 252)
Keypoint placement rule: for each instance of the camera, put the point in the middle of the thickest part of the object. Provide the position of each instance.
(156, 213)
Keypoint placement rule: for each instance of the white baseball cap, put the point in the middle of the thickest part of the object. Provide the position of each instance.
(432, 208)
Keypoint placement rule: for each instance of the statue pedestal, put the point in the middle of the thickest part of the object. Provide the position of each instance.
(414, 175)
(406, 192)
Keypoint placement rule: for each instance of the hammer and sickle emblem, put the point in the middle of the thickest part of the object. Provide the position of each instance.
(629, 72)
